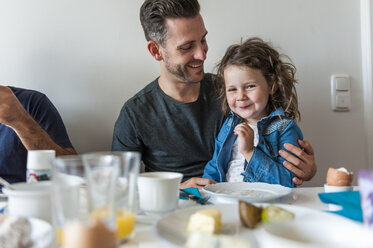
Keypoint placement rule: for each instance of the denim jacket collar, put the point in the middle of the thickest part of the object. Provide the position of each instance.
(278, 112)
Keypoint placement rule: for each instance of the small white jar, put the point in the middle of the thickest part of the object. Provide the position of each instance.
(39, 165)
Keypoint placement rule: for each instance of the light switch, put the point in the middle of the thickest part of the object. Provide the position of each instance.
(342, 84)
(342, 101)
(340, 92)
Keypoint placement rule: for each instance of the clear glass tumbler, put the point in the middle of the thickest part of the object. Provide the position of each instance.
(127, 194)
(102, 172)
(69, 193)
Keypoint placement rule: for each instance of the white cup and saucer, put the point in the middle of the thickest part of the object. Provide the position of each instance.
(158, 194)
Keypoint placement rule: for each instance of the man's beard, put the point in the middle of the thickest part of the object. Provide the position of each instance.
(182, 73)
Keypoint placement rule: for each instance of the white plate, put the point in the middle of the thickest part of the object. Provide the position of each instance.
(317, 233)
(250, 192)
(172, 228)
(310, 228)
(42, 233)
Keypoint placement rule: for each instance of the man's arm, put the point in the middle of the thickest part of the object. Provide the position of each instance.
(14, 115)
(303, 166)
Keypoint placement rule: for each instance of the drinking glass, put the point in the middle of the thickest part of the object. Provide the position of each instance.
(101, 173)
(365, 180)
(126, 195)
(69, 193)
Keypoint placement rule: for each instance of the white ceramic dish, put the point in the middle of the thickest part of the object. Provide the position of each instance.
(30, 200)
(158, 191)
(42, 233)
(250, 192)
(310, 228)
(317, 233)
(172, 228)
(141, 217)
(332, 189)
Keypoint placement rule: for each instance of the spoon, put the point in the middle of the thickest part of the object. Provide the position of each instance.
(6, 184)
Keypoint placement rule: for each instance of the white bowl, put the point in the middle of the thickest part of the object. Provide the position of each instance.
(30, 200)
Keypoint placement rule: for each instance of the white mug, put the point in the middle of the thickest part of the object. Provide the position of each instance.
(159, 191)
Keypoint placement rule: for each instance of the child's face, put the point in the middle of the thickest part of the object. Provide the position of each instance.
(247, 92)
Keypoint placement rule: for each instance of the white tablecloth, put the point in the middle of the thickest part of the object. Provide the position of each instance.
(303, 196)
(144, 236)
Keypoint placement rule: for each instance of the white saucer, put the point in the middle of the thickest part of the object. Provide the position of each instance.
(143, 218)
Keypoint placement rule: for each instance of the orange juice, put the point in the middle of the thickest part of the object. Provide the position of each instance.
(59, 236)
(125, 221)
(100, 213)
(125, 224)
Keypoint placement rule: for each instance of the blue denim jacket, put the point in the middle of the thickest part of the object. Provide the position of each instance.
(265, 164)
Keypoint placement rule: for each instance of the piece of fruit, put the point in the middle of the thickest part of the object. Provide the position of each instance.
(250, 215)
(271, 214)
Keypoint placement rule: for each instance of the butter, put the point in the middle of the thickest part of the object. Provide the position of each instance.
(207, 221)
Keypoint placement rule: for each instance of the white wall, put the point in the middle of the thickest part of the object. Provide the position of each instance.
(89, 57)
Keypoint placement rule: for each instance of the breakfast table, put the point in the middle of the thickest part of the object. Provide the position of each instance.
(302, 196)
(145, 235)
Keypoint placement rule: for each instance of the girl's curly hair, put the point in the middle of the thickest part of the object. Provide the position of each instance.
(257, 54)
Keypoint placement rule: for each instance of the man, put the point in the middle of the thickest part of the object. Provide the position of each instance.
(28, 121)
(174, 120)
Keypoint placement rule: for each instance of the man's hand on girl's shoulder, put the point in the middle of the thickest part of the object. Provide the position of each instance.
(303, 164)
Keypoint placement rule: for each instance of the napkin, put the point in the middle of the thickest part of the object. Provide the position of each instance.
(349, 200)
(191, 190)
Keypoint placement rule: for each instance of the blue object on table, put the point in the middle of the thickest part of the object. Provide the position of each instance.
(191, 190)
(348, 200)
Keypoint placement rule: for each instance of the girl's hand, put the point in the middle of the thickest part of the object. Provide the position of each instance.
(246, 142)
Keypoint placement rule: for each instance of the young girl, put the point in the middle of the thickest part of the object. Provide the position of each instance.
(260, 101)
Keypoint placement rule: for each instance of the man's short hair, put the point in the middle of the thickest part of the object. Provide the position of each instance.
(153, 14)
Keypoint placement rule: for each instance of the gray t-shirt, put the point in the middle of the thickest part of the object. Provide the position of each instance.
(171, 136)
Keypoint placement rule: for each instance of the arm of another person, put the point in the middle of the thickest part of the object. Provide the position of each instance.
(31, 134)
(264, 168)
(303, 165)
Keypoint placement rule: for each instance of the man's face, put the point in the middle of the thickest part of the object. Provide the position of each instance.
(185, 49)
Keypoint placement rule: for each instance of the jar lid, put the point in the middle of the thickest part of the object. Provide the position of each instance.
(40, 159)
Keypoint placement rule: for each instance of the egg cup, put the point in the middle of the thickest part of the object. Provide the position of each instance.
(332, 189)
